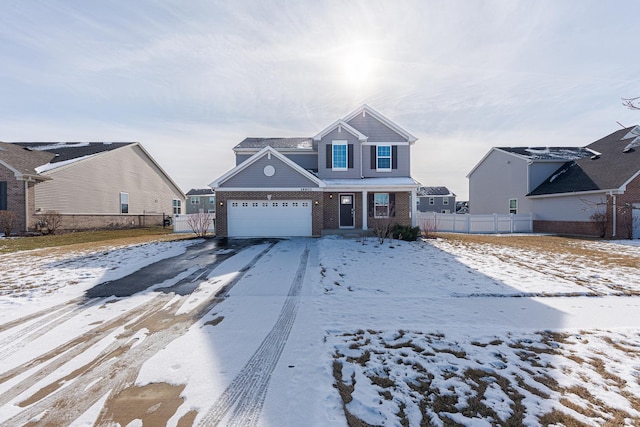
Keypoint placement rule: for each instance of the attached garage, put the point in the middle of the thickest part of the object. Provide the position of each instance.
(269, 218)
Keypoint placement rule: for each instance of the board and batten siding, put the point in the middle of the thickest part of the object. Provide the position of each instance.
(374, 129)
(253, 176)
(93, 185)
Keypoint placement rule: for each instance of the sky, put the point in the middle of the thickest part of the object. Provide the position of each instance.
(191, 79)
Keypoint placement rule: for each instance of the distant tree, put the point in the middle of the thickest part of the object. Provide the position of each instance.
(632, 103)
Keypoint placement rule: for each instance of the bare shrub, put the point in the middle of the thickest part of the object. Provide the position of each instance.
(429, 227)
(51, 220)
(600, 220)
(8, 220)
(200, 222)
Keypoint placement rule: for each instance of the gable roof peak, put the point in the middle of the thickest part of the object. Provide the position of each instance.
(364, 109)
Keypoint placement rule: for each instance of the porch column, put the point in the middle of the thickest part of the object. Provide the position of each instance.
(414, 207)
(364, 210)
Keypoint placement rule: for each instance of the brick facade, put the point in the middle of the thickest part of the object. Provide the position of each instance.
(569, 228)
(72, 222)
(15, 197)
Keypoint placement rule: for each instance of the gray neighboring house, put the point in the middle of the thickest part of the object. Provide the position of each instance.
(436, 199)
(352, 175)
(91, 184)
(563, 187)
(201, 200)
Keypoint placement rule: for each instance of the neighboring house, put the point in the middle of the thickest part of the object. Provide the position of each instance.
(201, 200)
(352, 175)
(97, 185)
(436, 199)
(594, 190)
(18, 178)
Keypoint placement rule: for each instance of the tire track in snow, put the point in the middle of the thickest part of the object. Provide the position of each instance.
(63, 400)
(246, 394)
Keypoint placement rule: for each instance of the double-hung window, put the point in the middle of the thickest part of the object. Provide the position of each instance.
(195, 200)
(381, 205)
(124, 203)
(383, 156)
(177, 206)
(513, 206)
(340, 156)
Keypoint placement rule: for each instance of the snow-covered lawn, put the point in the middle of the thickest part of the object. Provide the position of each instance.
(325, 332)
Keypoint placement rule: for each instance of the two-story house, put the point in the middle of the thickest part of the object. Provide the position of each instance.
(201, 200)
(353, 174)
(436, 199)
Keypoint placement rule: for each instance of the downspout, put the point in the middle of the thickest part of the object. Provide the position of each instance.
(613, 196)
(26, 205)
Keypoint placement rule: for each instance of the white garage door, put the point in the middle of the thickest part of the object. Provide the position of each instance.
(268, 218)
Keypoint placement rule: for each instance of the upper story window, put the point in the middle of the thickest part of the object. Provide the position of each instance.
(432, 200)
(124, 202)
(383, 158)
(195, 200)
(340, 156)
(513, 206)
(445, 200)
(212, 200)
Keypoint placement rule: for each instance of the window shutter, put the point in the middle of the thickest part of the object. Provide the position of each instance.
(329, 156)
(370, 203)
(3, 195)
(350, 156)
(394, 157)
(374, 151)
(392, 204)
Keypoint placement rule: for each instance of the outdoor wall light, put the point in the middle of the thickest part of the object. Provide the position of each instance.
(221, 203)
(330, 196)
(316, 203)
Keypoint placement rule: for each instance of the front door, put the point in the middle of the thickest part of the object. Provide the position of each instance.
(346, 211)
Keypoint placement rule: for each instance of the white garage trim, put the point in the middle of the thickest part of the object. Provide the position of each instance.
(269, 218)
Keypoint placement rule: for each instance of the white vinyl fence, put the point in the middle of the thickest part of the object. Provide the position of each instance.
(181, 223)
(466, 223)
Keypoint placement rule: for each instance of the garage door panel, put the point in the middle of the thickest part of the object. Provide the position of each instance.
(250, 218)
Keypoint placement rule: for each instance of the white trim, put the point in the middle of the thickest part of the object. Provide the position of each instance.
(390, 157)
(260, 189)
(343, 125)
(251, 160)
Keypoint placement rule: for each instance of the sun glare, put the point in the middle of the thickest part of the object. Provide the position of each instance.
(358, 65)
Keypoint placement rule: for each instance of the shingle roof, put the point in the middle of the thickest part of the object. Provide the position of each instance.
(22, 160)
(277, 143)
(549, 153)
(200, 192)
(64, 151)
(434, 191)
(608, 170)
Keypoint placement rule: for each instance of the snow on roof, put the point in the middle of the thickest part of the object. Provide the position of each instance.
(549, 153)
(49, 166)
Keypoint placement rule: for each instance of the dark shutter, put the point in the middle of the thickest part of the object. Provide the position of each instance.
(329, 156)
(392, 204)
(374, 151)
(370, 202)
(3, 195)
(350, 156)
(394, 157)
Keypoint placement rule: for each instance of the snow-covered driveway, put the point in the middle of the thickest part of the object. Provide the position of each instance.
(316, 332)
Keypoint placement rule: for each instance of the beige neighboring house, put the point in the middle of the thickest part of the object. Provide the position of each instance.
(92, 185)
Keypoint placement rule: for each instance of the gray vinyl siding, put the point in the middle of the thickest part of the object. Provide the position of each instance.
(403, 159)
(376, 131)
(307, 161)
(336, 135)
(438, 204)
(499, 178)
(204, 204)
(540, 171)
(253, 176)
(93, 185)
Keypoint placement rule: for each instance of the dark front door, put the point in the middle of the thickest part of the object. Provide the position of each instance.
(346, 210)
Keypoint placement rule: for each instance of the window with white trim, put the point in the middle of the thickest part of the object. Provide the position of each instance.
(177, 206)
(383, 158)
(445, 200)
(124, 202)
(340, 156)
(432, 200)
(381, 205)
(513, 206)
(195, 200)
